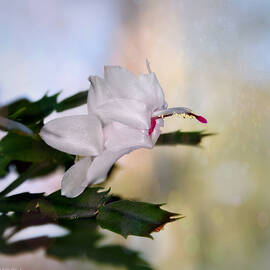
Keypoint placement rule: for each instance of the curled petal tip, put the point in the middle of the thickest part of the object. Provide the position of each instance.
(148, 66)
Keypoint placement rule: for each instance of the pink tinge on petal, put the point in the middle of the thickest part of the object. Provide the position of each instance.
(199, 118)
(153, 125)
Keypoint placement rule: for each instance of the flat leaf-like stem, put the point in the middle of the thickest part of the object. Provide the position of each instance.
(80, 216)
(184, 138)
(31, 113)
(23, 151)
(14, 107)
(82, 242)
(72, 102)
(84, 206)
(121, 216)
(133, 218)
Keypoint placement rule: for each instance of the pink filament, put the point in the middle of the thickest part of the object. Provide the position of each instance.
(153, 120)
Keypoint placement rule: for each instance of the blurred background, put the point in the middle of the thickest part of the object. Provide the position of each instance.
(209, 55)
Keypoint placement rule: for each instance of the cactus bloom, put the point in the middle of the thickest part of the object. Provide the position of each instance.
(125, 113)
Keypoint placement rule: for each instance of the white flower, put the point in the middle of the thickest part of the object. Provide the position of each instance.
(125, 113)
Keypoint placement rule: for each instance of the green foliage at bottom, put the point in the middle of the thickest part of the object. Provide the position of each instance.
(81, 242)
(23, 149)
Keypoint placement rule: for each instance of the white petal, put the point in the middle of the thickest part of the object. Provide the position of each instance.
(101, 165)
(119, 140)
(119, 137)
(78, 134)
(98, 94)
(123, 83)
(154, 96)
(130, 112)
(75, 178)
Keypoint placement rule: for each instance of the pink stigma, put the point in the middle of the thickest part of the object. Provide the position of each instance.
(153, 125)
(199, 118)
